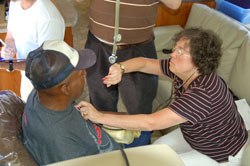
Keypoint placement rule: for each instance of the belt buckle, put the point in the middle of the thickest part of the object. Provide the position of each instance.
(123, 47)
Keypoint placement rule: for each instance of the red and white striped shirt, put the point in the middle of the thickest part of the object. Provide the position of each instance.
(136, 21)
(214, 126)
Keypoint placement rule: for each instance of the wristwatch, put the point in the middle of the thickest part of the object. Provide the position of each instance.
(11, 68)
(122, 67)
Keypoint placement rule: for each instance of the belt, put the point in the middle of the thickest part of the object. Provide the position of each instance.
(127, 46)
(123, 47)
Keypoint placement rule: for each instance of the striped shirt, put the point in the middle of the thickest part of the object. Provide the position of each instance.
(136, 21)
(214, 126)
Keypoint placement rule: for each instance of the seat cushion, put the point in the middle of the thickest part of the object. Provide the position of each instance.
(246, 154)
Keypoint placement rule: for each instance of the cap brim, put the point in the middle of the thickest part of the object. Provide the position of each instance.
(87, 58)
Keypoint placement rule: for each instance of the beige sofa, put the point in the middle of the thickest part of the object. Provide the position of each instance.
(235, 62)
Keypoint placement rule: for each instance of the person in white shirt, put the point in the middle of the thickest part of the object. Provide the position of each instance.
(31, 22)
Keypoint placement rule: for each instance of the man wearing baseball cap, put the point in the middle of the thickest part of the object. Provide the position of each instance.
(53, 128)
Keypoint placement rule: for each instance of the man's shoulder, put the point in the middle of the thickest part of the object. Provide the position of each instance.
(31, 97)
(44, 10)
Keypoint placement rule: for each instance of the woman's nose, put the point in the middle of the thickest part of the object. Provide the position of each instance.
(173, 54)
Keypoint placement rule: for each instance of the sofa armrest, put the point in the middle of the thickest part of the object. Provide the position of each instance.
(12, 150)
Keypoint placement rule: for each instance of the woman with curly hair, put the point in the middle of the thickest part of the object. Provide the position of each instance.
(212, 130)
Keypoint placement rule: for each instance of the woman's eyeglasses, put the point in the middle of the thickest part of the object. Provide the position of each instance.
(179, 52)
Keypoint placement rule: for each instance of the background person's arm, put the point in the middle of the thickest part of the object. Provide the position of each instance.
(9, 50)
(172, 4)
(16, 65)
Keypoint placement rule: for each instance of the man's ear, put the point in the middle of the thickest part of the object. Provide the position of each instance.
(65, 89)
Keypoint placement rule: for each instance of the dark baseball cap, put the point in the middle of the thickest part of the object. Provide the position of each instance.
(54, 61)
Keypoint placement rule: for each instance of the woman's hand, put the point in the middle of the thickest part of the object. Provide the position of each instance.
(114, 76)
(89, 112)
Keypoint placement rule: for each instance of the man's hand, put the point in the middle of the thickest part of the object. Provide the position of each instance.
(8, 52)
(114, 76)
(172, 4)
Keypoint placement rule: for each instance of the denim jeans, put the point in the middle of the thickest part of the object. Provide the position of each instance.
(144, 139)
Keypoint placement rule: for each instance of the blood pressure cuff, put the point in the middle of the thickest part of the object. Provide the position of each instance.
(121, 135)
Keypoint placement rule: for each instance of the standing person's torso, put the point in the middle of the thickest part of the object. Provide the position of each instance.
(31, 27)
(52, 136)
(137, 19)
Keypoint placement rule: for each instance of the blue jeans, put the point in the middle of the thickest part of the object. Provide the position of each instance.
(144, 139)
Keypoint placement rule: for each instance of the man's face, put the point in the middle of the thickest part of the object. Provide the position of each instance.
(77, 82)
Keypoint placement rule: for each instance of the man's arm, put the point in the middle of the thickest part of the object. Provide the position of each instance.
(9, 50)
(9, 40)
(172, 4)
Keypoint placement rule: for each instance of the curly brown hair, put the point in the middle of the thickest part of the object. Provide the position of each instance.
(205, 48)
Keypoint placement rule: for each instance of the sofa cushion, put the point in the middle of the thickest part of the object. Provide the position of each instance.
(246, 154)
(164, 35)
(229, 30)
(240, 78)
(12, 150)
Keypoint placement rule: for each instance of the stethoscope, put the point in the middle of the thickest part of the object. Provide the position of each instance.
(117, 36)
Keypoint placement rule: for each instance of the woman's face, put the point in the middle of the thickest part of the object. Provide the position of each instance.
(181, 62)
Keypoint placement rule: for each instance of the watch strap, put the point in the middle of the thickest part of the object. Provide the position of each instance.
(122, 67)
(11, 68)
